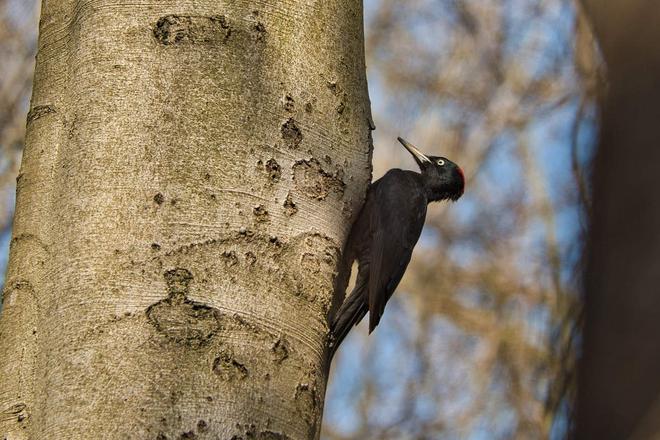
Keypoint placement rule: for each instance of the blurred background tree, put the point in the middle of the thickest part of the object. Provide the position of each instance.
(18, 45)
(480, 340)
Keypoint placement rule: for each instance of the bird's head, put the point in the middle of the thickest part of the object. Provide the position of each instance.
(443, 178)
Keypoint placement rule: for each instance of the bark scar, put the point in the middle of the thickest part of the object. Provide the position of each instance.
(192, 29)
(180, 319)
(40, 111)
(315, 182)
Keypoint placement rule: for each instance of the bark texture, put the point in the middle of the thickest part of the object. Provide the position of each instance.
(619, 385)
(190, 173)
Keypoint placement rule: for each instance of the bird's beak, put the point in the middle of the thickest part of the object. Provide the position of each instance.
(420, 158)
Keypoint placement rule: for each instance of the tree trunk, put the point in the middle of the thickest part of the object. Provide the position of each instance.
(191, 170)
(619, 377)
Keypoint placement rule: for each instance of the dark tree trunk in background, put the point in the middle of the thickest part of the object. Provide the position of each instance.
(619, 378)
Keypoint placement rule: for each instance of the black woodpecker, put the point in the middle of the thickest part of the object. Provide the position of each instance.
(384, 235)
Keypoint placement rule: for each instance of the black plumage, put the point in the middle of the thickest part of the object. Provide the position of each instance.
(384, 235)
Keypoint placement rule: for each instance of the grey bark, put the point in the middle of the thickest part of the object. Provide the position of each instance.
(619, 384)
(191, 170)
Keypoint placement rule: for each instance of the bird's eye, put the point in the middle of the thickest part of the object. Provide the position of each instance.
(440, 162)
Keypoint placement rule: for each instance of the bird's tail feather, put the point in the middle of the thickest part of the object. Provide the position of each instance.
(350, 314)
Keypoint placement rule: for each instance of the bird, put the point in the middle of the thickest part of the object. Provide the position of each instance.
(384, 234)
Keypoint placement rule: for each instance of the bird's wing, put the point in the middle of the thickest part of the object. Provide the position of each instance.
(396, 224)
